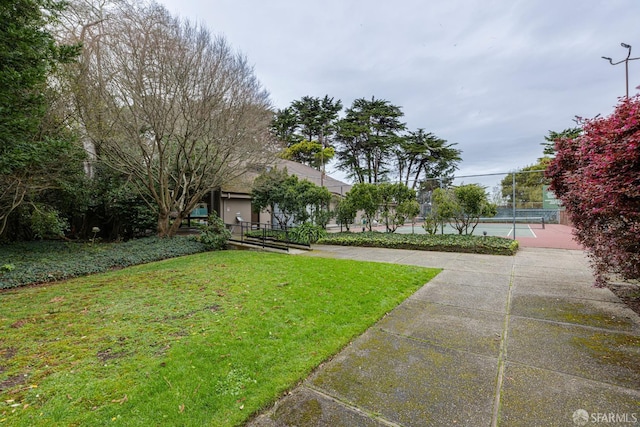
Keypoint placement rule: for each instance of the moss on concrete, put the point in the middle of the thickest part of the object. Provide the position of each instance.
(597, 314)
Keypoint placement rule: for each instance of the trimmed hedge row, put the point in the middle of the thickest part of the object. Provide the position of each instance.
(47, 261)
(425, 242)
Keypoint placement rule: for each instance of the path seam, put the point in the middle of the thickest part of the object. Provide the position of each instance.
(350, 406)
(502, 357)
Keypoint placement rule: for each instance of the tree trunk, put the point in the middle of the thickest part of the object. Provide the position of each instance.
(163, 224)
(173, 228)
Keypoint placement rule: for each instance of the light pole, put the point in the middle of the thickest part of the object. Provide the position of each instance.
(626, 64)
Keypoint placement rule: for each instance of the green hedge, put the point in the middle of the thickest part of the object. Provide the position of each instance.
(47, 261)
(424, 242)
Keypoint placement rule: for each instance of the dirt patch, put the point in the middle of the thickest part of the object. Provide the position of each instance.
(7, 353)
(12, 382)
(108, 354)
(19, 323)
(212, 308)
(629, 293)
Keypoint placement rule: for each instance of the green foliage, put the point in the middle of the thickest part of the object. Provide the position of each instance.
(108, 201)
(421, 155)
(397, 204)
(215, 234)
(345, 212)
(550, 145)
(284, 126)
(432, 223)
(409, 209)
(118, 207)
(441, 242)
(303, 234)
(322, 216)
(47, 223)
(463, 206)
(267, 189)
(365, 197)
(366, 136)
(288, 199)
(307, 233)
(32, 151)
(309, 153)
(309, 118)
(370, 143)
(529, 183)
(46, 261)
(28, 53)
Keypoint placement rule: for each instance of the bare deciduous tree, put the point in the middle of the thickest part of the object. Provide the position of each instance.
(167, 104)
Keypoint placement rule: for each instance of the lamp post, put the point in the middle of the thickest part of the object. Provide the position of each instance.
(626, 64)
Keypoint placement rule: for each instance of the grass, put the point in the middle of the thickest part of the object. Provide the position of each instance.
(206, 339)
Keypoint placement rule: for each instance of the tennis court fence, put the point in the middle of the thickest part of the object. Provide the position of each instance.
(521, 197)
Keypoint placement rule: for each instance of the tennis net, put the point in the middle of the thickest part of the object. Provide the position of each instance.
(531, 221)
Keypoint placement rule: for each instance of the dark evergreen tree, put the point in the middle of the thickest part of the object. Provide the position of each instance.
(366, 137)
(34, 146)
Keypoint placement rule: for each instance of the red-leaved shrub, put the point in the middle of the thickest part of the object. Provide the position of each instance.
(597, 177)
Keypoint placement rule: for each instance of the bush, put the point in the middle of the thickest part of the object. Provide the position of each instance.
(439, 242)
(596, 175)
(47, 261)
(462, 206)
(47, 223)
(431, 224)
(215, 234)
(307, 233)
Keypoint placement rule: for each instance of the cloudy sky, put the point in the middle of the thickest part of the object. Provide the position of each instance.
(493, 76)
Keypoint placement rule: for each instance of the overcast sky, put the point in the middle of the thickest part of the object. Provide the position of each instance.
(493, 76)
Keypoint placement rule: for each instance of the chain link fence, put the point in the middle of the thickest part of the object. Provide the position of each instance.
(520, 196)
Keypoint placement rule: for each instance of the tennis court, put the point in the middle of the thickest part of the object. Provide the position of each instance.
(525, 227)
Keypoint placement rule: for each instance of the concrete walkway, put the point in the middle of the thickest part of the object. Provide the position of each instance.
(491, 341)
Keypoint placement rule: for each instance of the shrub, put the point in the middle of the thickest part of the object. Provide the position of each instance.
(215, 234)
(439, 242)
(463, 206)
(307, 233)
(596, 175)
(431, 223)
(47, 223)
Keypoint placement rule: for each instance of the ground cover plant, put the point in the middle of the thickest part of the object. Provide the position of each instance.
(45, 261)
(196, 340)
(425, 242)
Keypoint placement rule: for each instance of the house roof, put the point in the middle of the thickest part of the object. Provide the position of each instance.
(306, 172)
(243, 184)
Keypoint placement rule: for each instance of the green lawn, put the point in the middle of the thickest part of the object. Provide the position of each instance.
(207, 339)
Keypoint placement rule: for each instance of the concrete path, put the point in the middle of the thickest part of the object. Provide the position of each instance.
(491, 341)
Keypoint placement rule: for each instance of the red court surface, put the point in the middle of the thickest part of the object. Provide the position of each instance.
(553, 236)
